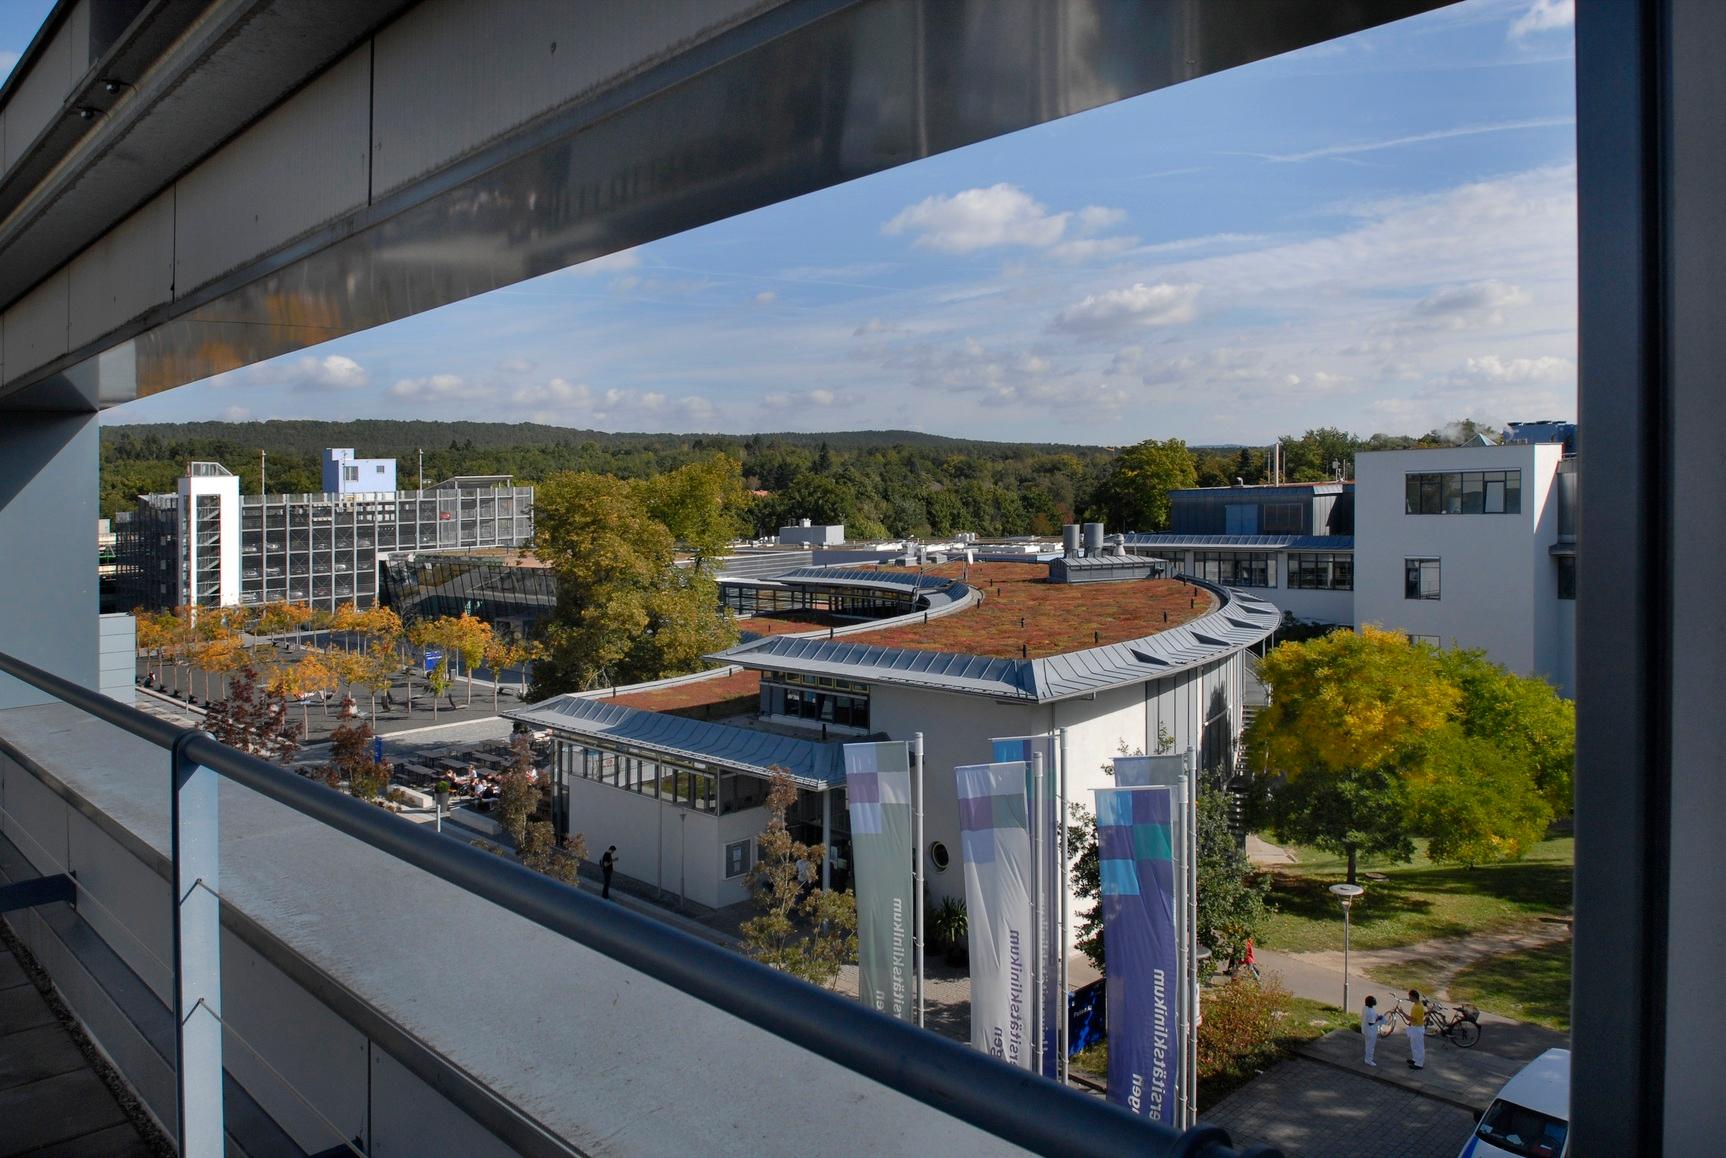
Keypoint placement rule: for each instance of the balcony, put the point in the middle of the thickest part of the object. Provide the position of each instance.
(377, 986)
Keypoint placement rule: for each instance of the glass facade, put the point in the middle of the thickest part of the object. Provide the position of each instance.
(1464, 492)
(818, 700)
(495, 589)
(1236, 568)
(699, 789)
(1320, 571)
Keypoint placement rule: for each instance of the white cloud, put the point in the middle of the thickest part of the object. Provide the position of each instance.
(435, 388)
(1544, 16)
(516, 365)
(979, 219)
(1092, 248)
(1115, 311)
(1096, 218)
(765, 297)
(331, 372)
(1460, 307)
(236, 414)
(564, 402)
(1547, 368)
(820, 398)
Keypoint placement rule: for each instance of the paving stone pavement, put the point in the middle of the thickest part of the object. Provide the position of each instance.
(1311, 1110)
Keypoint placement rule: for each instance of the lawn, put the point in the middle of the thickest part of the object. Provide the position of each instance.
(1416, 902)
(1530, 985)
(1306, 1021)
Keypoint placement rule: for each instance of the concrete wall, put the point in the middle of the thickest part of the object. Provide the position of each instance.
(48, 603)
(1498, 582)
(673, 848)
(117, 653)
(1315, 606)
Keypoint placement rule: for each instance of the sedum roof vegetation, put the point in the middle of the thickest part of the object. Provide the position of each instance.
(730, 695)
(1022, 608)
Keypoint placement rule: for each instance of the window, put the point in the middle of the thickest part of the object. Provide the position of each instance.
(1235, 568)
(1320, 571)
(736, 859)
(1522, 1131)
(380, 468)
(1421, 578)
(351, 473)
(816, 704)
(1282, 519)
(1432, 640)
(1567, 576)
(938, 857)
(1463, 492)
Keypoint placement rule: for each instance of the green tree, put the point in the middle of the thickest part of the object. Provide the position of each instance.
(1377, 741)
(1134, 494)
(1231, 900)
(805, 931)
(625, 611)
(701, 504)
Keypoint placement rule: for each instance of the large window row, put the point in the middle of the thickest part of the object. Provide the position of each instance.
(1235, 568)
(1320, 571)
(815, 705)
(724, 792)
(1464, 492)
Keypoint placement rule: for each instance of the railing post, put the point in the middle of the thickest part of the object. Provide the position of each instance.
(197, 957)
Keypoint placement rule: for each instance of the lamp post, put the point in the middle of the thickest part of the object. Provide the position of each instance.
(1346, 894)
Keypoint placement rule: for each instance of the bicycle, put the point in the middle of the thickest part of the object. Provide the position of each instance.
(1459, 1025)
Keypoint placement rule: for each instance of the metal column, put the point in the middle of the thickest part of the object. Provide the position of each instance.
(197, 956)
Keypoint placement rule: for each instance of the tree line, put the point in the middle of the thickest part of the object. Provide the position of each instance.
(878, 483)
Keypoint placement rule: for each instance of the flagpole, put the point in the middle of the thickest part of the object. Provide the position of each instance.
(917, 868)
(1039, 839)
(1062, 1026)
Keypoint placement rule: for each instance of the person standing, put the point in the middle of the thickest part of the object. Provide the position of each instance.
(1370, 1020)
(607, 863)
(1416, 1031)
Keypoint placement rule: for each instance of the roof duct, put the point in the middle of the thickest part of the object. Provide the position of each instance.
(1070, 540)
(1093, 539)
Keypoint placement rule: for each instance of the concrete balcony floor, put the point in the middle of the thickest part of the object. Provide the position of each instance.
(53, 1103)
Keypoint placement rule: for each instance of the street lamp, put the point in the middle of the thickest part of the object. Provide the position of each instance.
(1345, 893)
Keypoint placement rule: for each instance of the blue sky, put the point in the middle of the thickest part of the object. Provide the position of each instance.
(1376, 233)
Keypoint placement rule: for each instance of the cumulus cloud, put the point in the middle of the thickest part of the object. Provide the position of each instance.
(819, 397)
(1547, 368)
(236, 414)
(435, 388)
(1118, 311)
(1544, 16)
(1005, 215)
(331, 372)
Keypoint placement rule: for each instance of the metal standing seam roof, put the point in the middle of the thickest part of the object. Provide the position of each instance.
(1261, 542)
(1241, 620)
(904, 581)
(809, 762)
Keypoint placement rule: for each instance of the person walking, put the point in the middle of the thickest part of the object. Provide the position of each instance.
(1370, 1020)
(607, 863)
(1416, 1031)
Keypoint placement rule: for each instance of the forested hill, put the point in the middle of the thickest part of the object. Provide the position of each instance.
(877, 482)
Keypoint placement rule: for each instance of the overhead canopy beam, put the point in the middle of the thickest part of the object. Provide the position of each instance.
(457, 150)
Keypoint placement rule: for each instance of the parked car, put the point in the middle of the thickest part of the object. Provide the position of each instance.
(1530, 1117)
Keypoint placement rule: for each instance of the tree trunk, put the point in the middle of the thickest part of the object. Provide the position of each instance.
(1353, 853)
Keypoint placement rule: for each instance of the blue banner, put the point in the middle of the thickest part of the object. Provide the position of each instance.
(1135, 845)
(1046, 851)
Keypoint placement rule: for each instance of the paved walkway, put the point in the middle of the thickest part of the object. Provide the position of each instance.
(52, 1103)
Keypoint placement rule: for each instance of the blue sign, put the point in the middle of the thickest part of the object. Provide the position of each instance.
(1135, 843)
(377, 749)
(433, 657)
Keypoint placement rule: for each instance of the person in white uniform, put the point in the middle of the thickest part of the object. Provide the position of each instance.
(1370, 1020)
(1416, 1031)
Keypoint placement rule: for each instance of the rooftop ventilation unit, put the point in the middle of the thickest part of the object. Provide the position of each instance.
(1070, 540)
(1093, 538)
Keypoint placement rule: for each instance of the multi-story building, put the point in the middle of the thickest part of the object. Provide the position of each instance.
(1470, 546)
(209, 545)
(346, 475)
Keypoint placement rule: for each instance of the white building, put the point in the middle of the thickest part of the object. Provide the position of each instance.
(1471, 547)
(681, 794)
(346, 475)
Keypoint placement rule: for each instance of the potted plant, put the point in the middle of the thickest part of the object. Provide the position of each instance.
(442, 791)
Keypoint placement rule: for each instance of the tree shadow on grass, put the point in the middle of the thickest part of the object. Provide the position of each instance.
(1309, 898)
(1537, 887)
(1533, 985)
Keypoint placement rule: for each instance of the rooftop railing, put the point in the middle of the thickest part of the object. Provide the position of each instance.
(1010, 1103)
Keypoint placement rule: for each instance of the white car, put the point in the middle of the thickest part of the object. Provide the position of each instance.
(1530, 1117)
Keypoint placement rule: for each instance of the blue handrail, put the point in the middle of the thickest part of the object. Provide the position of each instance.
(1010, 1103)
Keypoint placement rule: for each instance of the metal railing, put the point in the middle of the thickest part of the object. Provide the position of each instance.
(1015, 1105)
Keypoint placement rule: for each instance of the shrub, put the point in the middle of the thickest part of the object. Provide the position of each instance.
(1242, 1021)
(949, 930)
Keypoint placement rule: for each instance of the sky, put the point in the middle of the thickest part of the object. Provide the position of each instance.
(1376, 233)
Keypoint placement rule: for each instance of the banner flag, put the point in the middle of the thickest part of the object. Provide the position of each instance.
(878, 798)
(995, 840)
(1046, 849)
(1149, 771)
(1135, 851)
